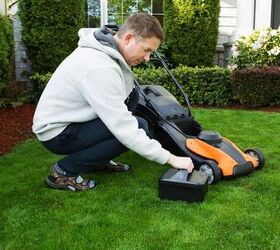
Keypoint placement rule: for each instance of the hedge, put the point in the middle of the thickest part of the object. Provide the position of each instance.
(191, 29)
(204, 86)
(49, 30)
(254, 87)
(257, 87)
(6, 52)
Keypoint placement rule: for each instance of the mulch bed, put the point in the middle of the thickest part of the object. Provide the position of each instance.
(15, 124)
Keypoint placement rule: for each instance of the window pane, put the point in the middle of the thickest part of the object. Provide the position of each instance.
(119, 10)
(158, 10)
(143, 6)
(158, 6)
(94, 21)
(93, 13)
(160, 18)
(115, 11)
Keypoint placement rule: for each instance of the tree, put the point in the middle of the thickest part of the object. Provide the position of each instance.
(49, 30)
(6, 52)
(191, 29)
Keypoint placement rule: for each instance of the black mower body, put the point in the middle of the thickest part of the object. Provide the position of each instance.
(174, 127)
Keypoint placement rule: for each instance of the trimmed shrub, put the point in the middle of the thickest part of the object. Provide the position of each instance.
(256, 87)
(204, 86)
(49, 30)
(6, 52)
(191, 29)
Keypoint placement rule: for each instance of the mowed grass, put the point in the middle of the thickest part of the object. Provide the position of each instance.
(124, 212)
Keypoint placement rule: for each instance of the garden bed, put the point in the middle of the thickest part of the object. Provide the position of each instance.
(15, 126)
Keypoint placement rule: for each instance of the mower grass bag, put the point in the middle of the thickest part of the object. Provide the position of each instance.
(175, 128)
(177, 184)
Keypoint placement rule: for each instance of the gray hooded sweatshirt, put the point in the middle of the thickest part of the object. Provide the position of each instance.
(93, 82)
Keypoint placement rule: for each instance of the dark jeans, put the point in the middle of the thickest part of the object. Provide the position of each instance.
(89, 144)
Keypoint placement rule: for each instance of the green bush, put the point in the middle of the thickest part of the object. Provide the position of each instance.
(204, 86)
(256, 87)
(49, 30)
(6, 53)
(191, 29)
(39, 82)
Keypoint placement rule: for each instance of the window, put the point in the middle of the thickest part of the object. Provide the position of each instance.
(275, 16)
(93, 13)
(119, 10)
(157, 10)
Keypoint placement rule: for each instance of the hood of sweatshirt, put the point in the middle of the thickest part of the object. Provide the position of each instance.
(105, 37)
(102, 40)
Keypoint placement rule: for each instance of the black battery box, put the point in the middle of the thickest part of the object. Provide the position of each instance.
(177, 184)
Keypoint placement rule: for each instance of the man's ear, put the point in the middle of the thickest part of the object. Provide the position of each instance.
(127, 38)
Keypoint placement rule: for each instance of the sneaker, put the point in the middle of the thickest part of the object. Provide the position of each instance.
(59, 180)
(117, 167)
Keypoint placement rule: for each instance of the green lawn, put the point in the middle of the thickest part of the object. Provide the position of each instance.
(124, 212)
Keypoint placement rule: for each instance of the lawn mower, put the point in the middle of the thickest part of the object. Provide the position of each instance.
(176, 129)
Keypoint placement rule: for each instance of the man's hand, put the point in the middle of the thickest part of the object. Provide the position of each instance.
(181, 162)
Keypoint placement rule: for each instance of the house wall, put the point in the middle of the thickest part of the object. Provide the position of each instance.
(237, 18)
(227, 29)
(263, 14)
(227, 20)
(252, 14)
(22, 64)
(3, 7)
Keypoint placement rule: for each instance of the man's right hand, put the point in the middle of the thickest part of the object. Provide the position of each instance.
(181, 162)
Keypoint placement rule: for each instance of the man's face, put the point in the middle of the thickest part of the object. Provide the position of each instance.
(138, 50)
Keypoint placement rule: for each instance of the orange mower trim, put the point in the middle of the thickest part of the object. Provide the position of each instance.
(246, 156)
(225, 162)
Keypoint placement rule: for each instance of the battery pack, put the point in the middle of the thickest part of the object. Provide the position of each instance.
(177, 184)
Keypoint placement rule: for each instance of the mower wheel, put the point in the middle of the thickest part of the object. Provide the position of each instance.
(212, 170)
(258, 155)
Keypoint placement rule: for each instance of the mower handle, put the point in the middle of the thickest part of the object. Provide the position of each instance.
(174, 80)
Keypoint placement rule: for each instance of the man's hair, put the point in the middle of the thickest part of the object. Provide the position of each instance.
(142, 25)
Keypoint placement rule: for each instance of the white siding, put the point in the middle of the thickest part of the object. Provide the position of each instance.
(247, 20)
(237, 18)
(228, 24)
(228, 4)
(227, 20)
(263, 14)
(228, 12)
(2, 7)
